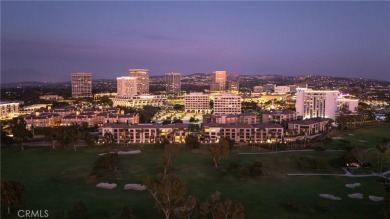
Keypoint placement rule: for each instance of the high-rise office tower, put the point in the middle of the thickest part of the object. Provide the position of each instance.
(126, 86)
(81, 84)
(142, 79)
(173, 81)
(219, 81)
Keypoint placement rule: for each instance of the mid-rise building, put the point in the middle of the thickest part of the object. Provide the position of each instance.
(8, 110)
(245, 118)
(126, 86)
(81, 84)
(196, 102)
(225, 104)
(142, 76)
(234, 86)
(282, 89)
(173, 81)
(139, 101)
(219, 81)
(316, 103)
(51, 97)
(322, 103)
(279, 116)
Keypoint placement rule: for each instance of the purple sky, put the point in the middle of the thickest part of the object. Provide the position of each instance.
(46, 41)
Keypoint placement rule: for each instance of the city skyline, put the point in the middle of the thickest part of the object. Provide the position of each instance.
(43, 41)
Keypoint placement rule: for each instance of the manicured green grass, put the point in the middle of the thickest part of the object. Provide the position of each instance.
(57, 179)
(366, 137)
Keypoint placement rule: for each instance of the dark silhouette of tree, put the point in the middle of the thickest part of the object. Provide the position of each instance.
(166, 160)
(89, 139)
(219, 150)
(19, 131)
(192, 142)
(108, 138)
(79, 210)
(167, 191)
(382, 151)
(11, 193)
(222, 209)
(187, 208)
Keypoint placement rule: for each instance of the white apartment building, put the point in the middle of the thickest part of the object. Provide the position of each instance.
(321, 103)
(226, 104)
(142, 76)
(8, 110)
(347, 104)
(282, 89)
(139, 101)
(197, 102)
(173, 81)
(81, 84)
(126, 86)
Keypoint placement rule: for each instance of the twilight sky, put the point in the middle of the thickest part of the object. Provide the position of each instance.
(46, 41)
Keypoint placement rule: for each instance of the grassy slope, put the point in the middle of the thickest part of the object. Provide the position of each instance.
(56, 179)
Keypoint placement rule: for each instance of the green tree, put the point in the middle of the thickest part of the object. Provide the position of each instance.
(11, 193)
(382, 151)
(19, 131)
(89, 139)
(79, 210)
(178, 107)
(166, 160)
(219, 150)
(187, 208)
(167, 191)
(108, 138)
(192, 141)
(227, 209)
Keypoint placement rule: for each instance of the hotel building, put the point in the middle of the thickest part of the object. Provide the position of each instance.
(322, 103)
(142, 76)
(81, 84)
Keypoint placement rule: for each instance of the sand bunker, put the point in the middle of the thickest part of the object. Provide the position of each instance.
(137, 187)
(106, 153)
(330, 196)
(106, 185)
(375, 198)
(353, 185)
(129, 152)
(356, 195)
